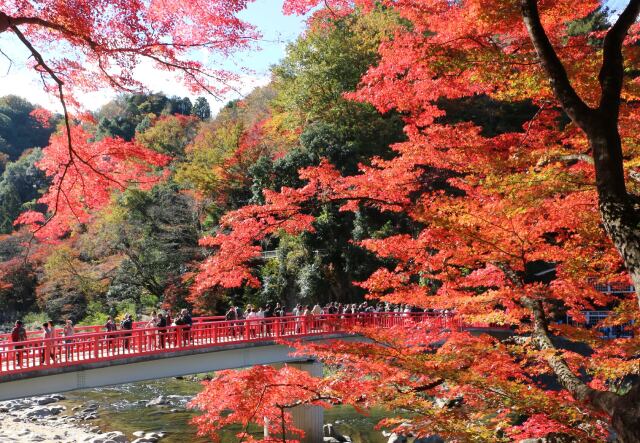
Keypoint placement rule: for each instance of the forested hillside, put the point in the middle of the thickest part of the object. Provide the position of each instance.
(141, 250)
(123, 258)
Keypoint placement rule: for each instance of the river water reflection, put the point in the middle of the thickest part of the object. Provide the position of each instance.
(123, 408)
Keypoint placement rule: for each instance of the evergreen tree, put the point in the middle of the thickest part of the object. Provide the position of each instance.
(201, 109)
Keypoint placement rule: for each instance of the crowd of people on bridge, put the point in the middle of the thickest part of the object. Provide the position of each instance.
(252, 312)
(162, 320)
(161, 323)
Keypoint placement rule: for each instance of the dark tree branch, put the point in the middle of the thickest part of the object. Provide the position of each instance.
(568, 159)
(612, 72)
(603, 400)
(573, 105)
(9, 60)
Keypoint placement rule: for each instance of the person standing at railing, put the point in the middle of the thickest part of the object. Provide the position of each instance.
(68, 332)
(53, 328)
(169, 319)
(184, 321)
(161, 324)
(262, 315)
(152, 321)
(151, 335)
(297, 312)
(18, 334)
(251, 324)
(231, 316)
(110, 326)
(126, 325)
(316, 312)
(307, 318)
(47, 345)
(279, 312)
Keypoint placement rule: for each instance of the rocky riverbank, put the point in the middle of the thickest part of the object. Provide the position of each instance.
(46, 420)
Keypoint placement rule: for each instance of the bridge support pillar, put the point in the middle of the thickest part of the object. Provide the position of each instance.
(306, 417)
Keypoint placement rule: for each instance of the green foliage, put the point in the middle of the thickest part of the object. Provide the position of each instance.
(125, 307)
(269, 174)
(201, 109)
(96, 314)
(311, 81)
(122, 116)
(169, 135)
(279, 275)
(311, 281)
(144, 124)
(155, 233)
(19, 131)
(20, 184)
(19, 296)
(203, 169)
(148, 300)
(35, 320)
(598, 20)
(325, 63)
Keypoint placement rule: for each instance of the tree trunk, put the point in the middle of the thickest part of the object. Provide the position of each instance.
(621, 219)
(626, 416)
(618, 209)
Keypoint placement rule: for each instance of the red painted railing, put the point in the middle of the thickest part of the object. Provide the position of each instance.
(37, 354)
(84, 329)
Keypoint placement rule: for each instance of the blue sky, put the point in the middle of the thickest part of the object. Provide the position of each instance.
(276, 28)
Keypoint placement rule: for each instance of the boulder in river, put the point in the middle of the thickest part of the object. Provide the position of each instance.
(110, 437)
(16, 405)
(329, 431)
(397, 438)
(160, 400)
(37, 412)
(430, 439)
(44, 400)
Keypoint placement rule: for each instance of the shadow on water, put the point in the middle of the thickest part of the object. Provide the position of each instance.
(123, 408)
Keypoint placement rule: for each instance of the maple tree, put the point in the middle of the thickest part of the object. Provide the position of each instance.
(85, 45)
(559, 192)
(267, 402)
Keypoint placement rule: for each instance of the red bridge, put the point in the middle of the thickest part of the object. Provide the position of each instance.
(91, 359)
(90, 345)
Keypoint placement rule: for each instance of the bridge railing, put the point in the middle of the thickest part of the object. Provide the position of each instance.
(88, 329)
(37, 354)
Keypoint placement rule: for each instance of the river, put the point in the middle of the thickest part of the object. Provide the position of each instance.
(123, 408)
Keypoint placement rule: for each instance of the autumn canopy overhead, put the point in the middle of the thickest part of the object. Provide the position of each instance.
(83, 46)
(505, 217)
(495, 209)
